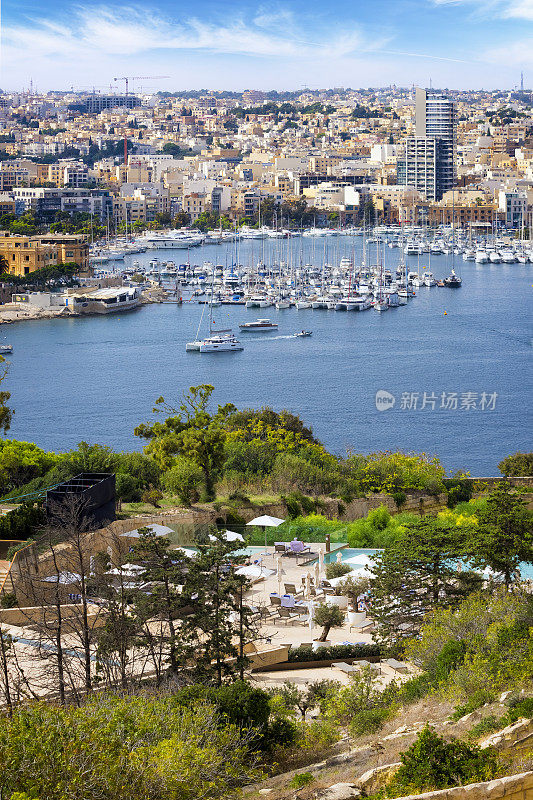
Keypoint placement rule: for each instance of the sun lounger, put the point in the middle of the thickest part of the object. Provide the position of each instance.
(373, 667)
(346, 668)
(290, 588)
(286, 613)
(357, 619)
(397, 666)
(367, 627)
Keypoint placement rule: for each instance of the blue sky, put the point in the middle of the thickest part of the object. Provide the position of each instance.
(288, 44)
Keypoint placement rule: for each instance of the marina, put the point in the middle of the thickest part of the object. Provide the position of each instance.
(473, 340)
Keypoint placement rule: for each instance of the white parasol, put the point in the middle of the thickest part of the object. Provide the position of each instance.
(266, 522)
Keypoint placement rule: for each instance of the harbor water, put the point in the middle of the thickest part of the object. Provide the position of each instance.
(454, 366)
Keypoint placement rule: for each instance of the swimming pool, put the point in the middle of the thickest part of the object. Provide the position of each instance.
(526, 570)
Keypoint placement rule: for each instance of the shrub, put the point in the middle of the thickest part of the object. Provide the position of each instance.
(255, 458)
(378, 529)
(128, 488)
(336, 569)
(8, 600)
(311, 528)
(459, 490)
(184, 480)
(292, 505)
(152, 497)
(21, 462)
(432, 763)
(119, 748)
(483, 727)
(301, 780)
(282, 732)
(475, 701)
(415, 688)
(521, 708)
(293, 472)
(238, 703)
(16, 547)
(387, 472)
(399, 498)
(239, 497)
(336, 651)
(517, 465)
(145, 469)
(22, 522)
(369, 720)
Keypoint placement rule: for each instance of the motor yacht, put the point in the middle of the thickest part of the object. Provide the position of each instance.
(453, 281)
(259, 325)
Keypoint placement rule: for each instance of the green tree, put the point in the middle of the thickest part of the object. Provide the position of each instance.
(190, 431)
(503, 537)
(222, 614)
(181, 220)
(184, 480)
(164, 568)
(20, 462)
(518, 464)
(6, 413)
(329, 616)
(369, 212)
(416, 573)
(173, 149)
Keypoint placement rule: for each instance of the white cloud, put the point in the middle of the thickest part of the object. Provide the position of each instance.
(506, 9)
(130, 31)
(521, 9)
(517, 54)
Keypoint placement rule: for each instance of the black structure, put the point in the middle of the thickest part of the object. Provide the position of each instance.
(95, 492)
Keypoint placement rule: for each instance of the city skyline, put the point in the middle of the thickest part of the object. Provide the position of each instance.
(452, 43)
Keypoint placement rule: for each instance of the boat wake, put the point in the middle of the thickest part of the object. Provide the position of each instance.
(273, 338)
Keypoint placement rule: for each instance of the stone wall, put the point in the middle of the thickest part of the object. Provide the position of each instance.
(512, 787)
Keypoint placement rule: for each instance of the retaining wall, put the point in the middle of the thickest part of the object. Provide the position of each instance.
(512, 787)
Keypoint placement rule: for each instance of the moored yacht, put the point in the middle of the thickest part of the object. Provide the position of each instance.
(220, 342)
(453, 281)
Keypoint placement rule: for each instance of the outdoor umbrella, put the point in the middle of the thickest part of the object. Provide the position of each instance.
(228, 536)
(280, 573)
(321, 559)
(157, 530)
(317, 574)
(339, 557)
(310, 620)
(361, 560)
(308, 585)
(266, 522)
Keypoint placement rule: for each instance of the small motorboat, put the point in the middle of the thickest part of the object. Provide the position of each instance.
(6, 348)
(453, 281)
(304, 333)
(441, 284)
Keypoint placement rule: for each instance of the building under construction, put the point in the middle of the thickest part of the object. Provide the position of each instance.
(99, 102)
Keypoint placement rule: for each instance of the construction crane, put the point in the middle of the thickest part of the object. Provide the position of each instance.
(127, 79)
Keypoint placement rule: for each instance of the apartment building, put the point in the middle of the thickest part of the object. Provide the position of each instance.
(64, 173)
(429, 162)
(195, 204)
(46, 202)
(25, 254)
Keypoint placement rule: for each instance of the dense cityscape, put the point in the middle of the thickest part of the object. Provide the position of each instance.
(246, 557)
